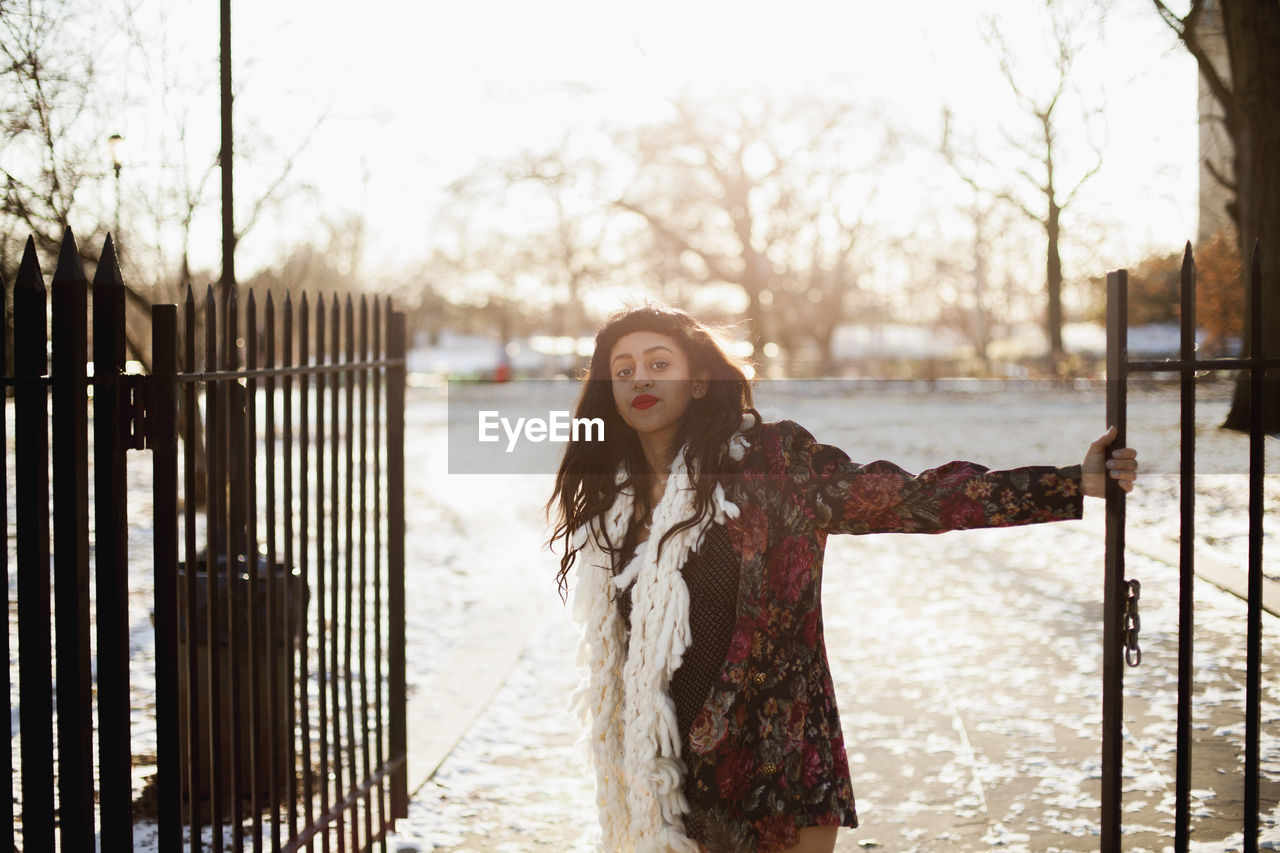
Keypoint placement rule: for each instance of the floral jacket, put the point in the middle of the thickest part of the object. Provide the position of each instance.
(768, 739)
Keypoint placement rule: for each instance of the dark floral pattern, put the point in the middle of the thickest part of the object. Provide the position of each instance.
(766, 755)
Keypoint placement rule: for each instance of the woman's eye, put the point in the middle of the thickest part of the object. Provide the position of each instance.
(624, 372)
(660, 365)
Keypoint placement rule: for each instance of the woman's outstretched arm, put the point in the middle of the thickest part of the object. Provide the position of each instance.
(844, 497)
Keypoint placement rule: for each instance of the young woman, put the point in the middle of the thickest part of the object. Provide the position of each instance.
(698, 533)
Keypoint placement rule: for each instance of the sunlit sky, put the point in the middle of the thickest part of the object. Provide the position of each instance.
(416, 94)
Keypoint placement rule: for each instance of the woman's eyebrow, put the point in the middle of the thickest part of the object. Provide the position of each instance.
(646, 352)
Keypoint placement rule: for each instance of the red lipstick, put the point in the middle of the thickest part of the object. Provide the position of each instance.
(643, 401)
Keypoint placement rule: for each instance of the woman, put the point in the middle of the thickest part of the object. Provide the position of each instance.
(698, 533)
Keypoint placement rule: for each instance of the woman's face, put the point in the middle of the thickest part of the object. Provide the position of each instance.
(653, 383)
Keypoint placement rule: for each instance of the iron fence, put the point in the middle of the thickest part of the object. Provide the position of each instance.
(277, 563)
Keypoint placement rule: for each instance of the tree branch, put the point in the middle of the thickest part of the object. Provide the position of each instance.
(1219, 177)
(715, 265)
(1185, 30)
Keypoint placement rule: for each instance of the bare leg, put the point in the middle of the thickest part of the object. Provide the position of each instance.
(815, 839)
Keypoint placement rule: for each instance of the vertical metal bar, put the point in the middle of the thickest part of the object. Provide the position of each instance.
(7, 841)
(190, 417)
(363, 477)
(322, 666)
(35, 623)
(274, 623)
(249, 436)
(215, 495)
(395, 562)
(71, 547)
(1114, 588)
(233, 430)
(304, 551)
(1186, 558)
(378, 441)
(162, 438)
(350, 560)
(111, 559)
(1253, 682)
(335, 557)
(290, 606)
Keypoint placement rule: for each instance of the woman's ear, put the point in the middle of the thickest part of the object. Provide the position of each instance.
(701, 383)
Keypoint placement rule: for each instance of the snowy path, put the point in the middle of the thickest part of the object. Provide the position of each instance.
(968, 665)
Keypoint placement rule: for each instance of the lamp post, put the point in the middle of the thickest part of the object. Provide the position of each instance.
(113, 144)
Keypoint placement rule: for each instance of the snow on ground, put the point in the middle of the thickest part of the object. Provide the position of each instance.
(967, 665)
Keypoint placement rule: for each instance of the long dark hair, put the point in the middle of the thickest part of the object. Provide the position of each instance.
(585, 483)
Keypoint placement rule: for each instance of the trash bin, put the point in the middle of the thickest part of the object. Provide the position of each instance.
(238, 723)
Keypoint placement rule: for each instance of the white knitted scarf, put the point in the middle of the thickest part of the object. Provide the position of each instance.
(625, 698)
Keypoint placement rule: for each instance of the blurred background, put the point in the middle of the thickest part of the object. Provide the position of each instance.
(868, 190)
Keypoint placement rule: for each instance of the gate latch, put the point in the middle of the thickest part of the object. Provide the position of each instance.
(1132, 624)
(133, 411)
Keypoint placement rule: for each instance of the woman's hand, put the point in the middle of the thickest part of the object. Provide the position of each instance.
(1123, 466)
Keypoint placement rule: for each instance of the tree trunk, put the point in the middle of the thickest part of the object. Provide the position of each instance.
(1252, 29)
(1053, 277)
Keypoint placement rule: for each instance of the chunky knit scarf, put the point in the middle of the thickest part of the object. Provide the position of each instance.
(626, 698)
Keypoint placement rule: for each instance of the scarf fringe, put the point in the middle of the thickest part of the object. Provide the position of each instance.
(625, 700)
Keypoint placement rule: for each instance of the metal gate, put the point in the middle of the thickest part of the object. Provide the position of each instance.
(1121, 594)
(279, 635)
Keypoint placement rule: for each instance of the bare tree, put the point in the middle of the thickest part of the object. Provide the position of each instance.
(1042, 189)
(547, 224)
(1247, 88)
(47, 84)
(754, 192)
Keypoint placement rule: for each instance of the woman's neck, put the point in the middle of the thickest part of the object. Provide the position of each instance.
(658, 454)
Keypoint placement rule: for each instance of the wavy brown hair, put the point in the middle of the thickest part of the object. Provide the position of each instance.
(585, 483)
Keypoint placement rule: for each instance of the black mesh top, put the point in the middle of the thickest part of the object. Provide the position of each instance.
(711, 575)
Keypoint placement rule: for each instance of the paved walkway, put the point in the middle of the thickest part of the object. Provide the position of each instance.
(968, 670)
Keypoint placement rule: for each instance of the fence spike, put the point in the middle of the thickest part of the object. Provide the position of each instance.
(109, 260)
(70, 269)
(29, 275)
(108, 289)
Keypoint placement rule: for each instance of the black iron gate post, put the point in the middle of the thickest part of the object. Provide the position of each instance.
(162, 439)
(112, 401)
(1253, 683)
(398, 697)
(1114, 582)
(1186, 553)
(69, 372)
(6, 808)
(35, 621)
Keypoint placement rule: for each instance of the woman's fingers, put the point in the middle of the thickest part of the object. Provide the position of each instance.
(1123, 467)
(1121, 464)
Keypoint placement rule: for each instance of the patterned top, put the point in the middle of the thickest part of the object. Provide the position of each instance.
(765, 753)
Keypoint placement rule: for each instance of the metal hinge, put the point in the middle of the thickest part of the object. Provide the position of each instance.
(132, 389)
